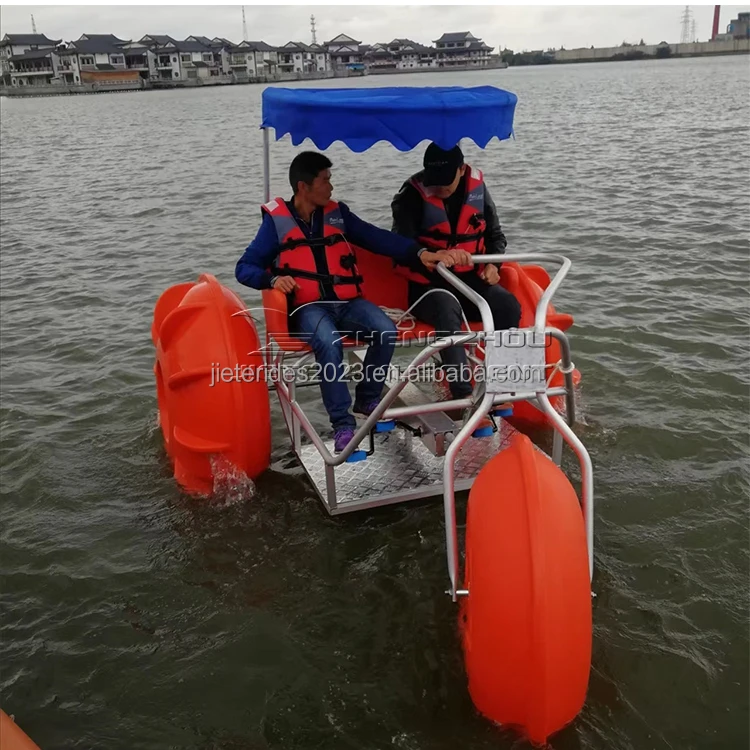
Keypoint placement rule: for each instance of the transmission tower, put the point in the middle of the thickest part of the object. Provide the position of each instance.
(312, 30)
(244, 25)
(33, 24)
(686, 21)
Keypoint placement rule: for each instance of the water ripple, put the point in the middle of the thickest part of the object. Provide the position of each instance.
(136, 617)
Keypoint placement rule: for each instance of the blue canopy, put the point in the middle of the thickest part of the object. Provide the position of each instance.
(403, 116)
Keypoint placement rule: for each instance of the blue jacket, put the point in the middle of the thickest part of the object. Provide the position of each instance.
(252, 267)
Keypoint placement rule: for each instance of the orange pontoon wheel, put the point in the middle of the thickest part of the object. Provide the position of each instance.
(526, 622)
(12, 737)
(210, 383)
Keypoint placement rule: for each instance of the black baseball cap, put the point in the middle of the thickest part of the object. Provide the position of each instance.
(440, 166)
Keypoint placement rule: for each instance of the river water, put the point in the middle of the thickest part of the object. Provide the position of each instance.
(134, 617)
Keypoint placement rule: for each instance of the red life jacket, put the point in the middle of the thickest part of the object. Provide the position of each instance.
(315, 273)
(436, 232)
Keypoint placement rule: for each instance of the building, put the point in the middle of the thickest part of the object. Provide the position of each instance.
(461, 49)
(166, 65)
(298, 57)
(37, 67)
(260, 59)
(193, 58)
(140, 58)
(320, 57)
(154, 40)
(411, 54)
(220, 48)
(344, 52)
(379, 57)
(400, 54)
(34, 59)
(27, 59)
(242, 62)
(99, 58)
(739, 28)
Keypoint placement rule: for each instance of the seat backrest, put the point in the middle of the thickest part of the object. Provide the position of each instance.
(383, 284)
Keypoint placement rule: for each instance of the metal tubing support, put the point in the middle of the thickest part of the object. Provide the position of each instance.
(296, 440)
(400, 412)
(570, 401)
(283, 393)
(377, 414)
(541, 310)
(393, 392)
(540, 321)
(266, 166)
(331, 488)
(557, 447)
(587, 475)
(484, 308)
(390, 396)
(449, 495)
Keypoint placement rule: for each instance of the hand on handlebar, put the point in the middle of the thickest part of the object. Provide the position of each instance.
(461, 257)
(431, 259)
(448, 258)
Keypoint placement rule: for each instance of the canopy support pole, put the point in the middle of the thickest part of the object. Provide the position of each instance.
(266, 167)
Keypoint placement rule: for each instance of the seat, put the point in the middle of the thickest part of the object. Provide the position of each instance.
(277, 325)
(383, 285)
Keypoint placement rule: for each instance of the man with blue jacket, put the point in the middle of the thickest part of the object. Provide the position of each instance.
(304, 249)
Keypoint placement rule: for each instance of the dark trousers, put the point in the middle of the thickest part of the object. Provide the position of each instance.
(444, 313)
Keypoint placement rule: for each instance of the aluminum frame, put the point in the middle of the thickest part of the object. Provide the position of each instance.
(297, 421)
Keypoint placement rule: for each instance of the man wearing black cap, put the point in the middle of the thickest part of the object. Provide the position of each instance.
(447, 207)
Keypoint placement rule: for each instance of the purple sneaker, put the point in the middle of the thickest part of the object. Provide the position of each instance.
(341, 438)
(366, 409)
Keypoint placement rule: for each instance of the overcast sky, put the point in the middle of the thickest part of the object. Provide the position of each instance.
(514, 27)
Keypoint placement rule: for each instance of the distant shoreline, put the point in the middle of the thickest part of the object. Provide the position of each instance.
(624, 54)
(659, 51)
(108, 87)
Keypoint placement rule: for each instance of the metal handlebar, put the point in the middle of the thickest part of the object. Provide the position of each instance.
(541, 309)
(540, 327)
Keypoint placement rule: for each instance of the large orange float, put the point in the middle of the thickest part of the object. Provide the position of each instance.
(12, 737)
(212, 395)
(524, 599)
(526, 622)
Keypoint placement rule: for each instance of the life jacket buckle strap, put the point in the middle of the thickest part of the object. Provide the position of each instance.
(312, 242)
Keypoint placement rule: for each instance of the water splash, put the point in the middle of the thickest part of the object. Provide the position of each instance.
(231, 485)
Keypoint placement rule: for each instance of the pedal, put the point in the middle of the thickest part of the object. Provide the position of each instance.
(483, 432)
(503, 410)
(382, 425)
(356, 456)
(435, 426)
(487, 430)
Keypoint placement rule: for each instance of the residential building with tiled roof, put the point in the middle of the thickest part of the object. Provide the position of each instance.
(26, 48)
(97, 58)
(344, 51)
(460, 49)
(298, 57)
(256, 59)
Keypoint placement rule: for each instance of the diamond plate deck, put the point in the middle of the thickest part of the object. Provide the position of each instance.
(401, 469)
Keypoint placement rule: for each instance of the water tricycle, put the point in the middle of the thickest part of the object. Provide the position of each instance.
(524, 599)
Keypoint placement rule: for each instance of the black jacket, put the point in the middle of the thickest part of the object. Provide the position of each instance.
(406, 208)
